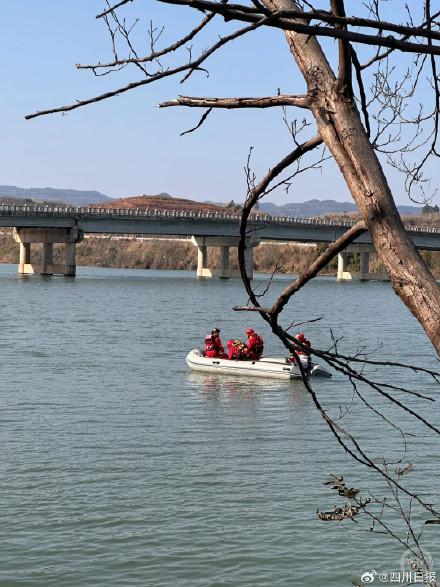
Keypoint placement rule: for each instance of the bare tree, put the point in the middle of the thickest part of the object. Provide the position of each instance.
(366, 113)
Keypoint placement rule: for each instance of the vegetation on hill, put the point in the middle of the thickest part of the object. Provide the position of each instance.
(161, 202)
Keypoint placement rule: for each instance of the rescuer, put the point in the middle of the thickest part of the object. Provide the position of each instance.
(302, 348)
(213, 344)
(236, 349)
(255, 345)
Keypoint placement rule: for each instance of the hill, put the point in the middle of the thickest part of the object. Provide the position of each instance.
(10, 194)
(316, 207)
(67, 196)
(162, 202)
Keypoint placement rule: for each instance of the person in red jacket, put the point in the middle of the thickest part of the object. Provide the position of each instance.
(301, 350)
(213, 344)
(255, 345)
(236, 349)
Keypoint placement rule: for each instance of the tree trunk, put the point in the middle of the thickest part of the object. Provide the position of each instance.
(341, 129)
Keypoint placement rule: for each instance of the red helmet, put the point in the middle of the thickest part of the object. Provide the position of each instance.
(250, 331)
(300, 336)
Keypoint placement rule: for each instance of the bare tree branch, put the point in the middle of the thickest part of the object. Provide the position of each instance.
(345, 87)
(113, 8)
(242, 102)
(154, 54)
(332, 250)
(278, 20)
(199, 124)
(257, 192)
(188, 67)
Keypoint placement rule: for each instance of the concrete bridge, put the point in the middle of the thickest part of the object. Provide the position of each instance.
(65, 224)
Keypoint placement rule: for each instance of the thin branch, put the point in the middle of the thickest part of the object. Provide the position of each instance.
(348, 237)
(112, 8)
(201, 121)
(380, 56)
(154, 54)
(188, 67)
(363, 98)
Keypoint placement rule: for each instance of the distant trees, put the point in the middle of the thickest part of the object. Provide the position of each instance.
(428, 209)
(233, 208)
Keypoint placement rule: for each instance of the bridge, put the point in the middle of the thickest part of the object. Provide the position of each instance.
(66, 224)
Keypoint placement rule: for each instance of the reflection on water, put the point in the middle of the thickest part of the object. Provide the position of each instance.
(239, 384)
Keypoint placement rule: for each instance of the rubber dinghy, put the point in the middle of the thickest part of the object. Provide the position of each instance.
(265, 367)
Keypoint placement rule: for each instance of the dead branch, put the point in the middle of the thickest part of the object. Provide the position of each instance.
(199, 124)
(188, 68)
(242, 102)
(256, 192)
(154, 54)
(329, 17)
(332, 250)
(277, 19)
(344, 71)
(113, 8)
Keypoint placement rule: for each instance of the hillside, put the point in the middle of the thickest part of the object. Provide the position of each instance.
(68, 196)
(316, 207)
(10, 194)
(162, 202)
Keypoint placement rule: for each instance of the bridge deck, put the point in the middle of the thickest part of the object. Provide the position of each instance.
(178, 223)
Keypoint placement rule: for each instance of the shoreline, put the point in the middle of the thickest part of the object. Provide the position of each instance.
(122, 252)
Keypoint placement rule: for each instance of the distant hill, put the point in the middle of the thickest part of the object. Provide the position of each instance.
(10, 194)
(162, 202)
(317, 207)
(73, 197)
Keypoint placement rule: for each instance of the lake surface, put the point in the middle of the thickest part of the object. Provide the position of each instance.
(119, 467)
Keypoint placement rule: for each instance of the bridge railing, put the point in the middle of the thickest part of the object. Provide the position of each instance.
(84, 211)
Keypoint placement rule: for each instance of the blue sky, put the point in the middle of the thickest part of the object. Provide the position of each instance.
(127, 146)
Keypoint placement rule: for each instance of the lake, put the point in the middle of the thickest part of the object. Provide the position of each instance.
(120, 467)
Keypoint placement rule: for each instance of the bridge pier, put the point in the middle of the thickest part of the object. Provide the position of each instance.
(225, 243)
(47, 237)
(364, 273)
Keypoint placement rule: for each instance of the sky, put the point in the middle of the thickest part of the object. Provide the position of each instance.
(127, 146)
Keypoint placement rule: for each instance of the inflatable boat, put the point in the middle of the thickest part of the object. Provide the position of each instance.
(265, 367)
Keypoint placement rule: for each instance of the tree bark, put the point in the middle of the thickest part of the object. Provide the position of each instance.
(340, 127)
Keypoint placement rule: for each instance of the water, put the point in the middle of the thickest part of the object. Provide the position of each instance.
(119, 467)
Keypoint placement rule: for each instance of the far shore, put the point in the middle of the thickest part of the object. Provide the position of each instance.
(173, 253)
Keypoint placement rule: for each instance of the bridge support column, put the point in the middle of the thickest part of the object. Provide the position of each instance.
(342, 266)
(225, 243)
(224, 262)
(364, 273)
(364, 266)
(47, 260)
(70, 259)
(25, 256)
(47, 237)
(202, 261)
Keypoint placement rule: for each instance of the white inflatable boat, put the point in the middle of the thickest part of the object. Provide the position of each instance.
(265, 367)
